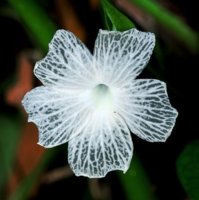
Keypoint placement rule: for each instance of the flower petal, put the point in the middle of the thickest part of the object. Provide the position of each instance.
(57, 113)
(100, 148)
(67, 63)
(147, 110)
(123, 55)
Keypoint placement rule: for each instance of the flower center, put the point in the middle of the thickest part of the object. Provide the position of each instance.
(102, 98)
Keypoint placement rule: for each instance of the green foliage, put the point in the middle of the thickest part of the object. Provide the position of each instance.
(136, 183)
(114, 19)
(41, 30)
(170, 22)
(36, 21)
(188, 169)
(23, 190)
(9, 137)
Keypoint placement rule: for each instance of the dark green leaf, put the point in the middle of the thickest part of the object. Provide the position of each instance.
(171, 22)
(114, 19)
(9, 137)
(188, 169)
(135, 182)
(40, 28)
(23, 190)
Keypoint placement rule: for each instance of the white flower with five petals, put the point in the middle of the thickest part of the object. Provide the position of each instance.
(93, 102)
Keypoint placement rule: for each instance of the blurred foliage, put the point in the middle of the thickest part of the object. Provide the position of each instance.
(9, 138)
(188, 169)
(25, 188)
(136, 183)
(171, 22)
(41, 29)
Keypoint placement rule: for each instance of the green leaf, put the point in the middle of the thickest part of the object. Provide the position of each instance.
(38, 24)
(9, 138)
(41, 30)
(188, 169)
(171, 22)
(114, 19)
(135, 182)
(23, 190)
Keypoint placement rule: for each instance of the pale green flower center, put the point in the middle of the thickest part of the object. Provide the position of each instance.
(102, 98)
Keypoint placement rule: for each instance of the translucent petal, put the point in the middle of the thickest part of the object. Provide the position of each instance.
(123, 55)
(56, 113)
(146, 109)
(100, 148)
(67, 63)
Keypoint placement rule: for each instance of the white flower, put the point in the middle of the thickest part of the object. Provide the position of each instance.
(93, 102)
